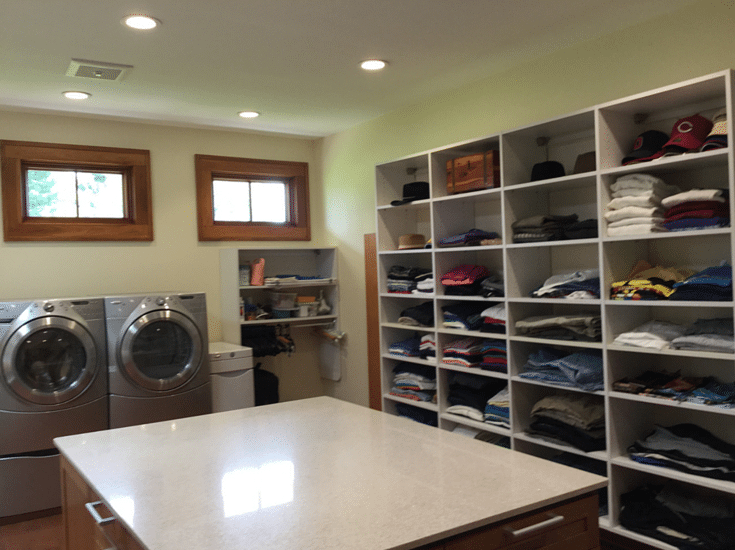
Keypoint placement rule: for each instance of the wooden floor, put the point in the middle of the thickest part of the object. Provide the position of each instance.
(43, 532)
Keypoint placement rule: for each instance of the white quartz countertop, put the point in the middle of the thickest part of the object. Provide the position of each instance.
(313, 474)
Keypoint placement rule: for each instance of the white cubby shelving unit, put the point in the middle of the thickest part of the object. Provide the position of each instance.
(610, 130)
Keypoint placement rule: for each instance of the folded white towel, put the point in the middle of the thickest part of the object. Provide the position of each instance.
(646, 200)
(632, 212)
(640, 229)
(693, 195)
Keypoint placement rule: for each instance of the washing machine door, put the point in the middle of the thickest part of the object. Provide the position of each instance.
(161, 350)
(49, 360)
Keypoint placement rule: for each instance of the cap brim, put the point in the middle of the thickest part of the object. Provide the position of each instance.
(655, 156)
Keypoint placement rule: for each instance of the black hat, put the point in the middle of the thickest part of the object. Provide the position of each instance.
(646, 145)
(413, 191)
(547, 170)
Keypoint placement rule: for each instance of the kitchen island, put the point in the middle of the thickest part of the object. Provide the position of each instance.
(316, 474)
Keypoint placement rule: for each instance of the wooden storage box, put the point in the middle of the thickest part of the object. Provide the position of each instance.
(473, 172)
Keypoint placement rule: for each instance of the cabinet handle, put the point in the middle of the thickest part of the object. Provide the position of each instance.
(532, 529)
(92, 508)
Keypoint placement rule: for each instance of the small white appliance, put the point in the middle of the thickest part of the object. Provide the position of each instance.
(157, 357)
(231, 368)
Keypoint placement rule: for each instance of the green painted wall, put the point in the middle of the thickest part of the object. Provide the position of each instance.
(693, 42)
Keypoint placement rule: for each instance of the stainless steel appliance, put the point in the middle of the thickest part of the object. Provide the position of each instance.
(53, 383)
(157, 357)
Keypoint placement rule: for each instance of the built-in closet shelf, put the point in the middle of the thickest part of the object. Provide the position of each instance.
(521, 436)
(725, 486)
(419, 404)
(316, 269)
(673, 352)
(483, 426)
(609, 130)
(409, 359)
(549, 342)
(293, 321)
(475, 371)
(682, 405)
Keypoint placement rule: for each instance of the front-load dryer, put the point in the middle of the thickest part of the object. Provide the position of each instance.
(157, 356)
(53, 383)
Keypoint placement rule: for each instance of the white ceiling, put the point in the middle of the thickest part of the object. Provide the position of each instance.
(295, 61)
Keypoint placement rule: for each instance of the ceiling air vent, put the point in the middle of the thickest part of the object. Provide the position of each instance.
(97, 70)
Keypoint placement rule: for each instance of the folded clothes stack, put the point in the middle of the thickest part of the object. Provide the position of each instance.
(468, 394)
(647, 282)
(473, 237)
(636, 205)
(585, 327)
(414, 382)
(714, 335)
(577, 285)
(495, 356)
(421, 315)
(427, 347)
(577, 420)
(676, 517)
(582, 369)
(463, 316)
(464, 280)
(406, 280)
(466, 352)
(701, 390)
(497, 409)
(541, 228)
(472, 280)
(710, 284)
(494, 319)
(697, 209)
(490, 355)
(406, 348)
(687, 448)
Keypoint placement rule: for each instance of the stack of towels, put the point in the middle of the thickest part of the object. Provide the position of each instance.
(636, 205)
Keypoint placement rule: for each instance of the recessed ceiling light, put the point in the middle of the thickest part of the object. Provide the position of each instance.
(76, 95)
(249, 114)
(373, 64)
(141, 22)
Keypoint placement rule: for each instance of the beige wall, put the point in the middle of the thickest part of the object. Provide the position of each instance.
(690, 43)
(175, 260)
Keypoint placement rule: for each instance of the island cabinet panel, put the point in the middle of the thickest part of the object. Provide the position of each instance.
(81, 530)
(570, 526)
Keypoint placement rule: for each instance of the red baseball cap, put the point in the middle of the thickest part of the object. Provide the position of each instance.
(688, 133)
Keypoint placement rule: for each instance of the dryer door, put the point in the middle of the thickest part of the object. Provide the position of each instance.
(49, 360)
(161, 350)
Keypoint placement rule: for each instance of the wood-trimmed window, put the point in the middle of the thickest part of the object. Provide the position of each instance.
(20, 223)
(293, 175)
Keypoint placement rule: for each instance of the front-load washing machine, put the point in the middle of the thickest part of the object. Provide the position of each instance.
(157, 357)
(53, 383)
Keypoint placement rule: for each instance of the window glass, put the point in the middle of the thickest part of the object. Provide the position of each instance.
(269, 201)
(70, 194)
(231, 201)
(249, 201)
